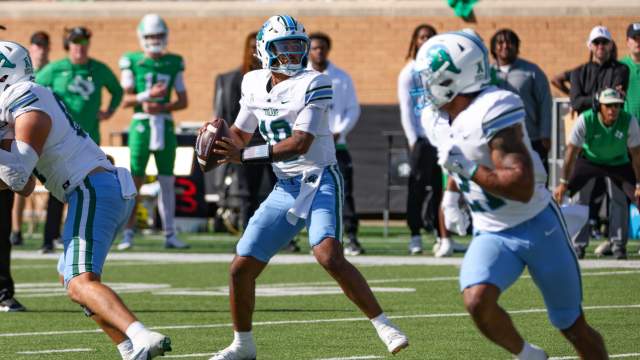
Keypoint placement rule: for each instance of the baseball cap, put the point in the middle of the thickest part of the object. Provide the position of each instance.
(610, 96)
(633, 29)
(40, 38)
(78, 32)
(599, 32)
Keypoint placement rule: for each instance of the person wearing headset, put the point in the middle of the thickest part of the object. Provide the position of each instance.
(77, 80)
(599, 147)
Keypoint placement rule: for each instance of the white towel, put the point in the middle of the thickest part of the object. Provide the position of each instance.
(156, 124)
(127, 186)
(575, 216)
(309, 185)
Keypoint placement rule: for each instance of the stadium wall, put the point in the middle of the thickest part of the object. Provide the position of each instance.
(370, 41)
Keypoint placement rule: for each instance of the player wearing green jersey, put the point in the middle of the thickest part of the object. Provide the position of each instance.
(149, 77)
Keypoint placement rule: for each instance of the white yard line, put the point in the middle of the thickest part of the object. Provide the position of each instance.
(284, 259)
(315, 321)
(353, 358)
(189, 355)
(53, 351)
(611, 356)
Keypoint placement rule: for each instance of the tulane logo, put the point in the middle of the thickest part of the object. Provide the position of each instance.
(438, 57)
(4, 62)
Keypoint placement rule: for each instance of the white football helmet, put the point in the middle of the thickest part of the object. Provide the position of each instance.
(282, 45)
(150, 25)
(450, 64)
(15, 64)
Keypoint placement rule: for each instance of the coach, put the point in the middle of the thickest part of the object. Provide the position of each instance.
(604, 136)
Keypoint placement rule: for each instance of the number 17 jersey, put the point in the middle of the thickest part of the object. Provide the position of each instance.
(276, 114)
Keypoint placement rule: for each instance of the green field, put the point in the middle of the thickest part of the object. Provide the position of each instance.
(300, 313)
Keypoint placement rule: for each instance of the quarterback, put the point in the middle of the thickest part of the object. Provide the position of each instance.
(289, 105)
(46, 142)
(148, 78)
(485, 149)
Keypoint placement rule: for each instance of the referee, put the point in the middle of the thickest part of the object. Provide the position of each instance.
(604, 136)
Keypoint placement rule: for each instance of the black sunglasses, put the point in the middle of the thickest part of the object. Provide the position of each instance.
(600, 42)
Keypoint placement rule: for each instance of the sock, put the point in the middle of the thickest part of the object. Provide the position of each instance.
(242, 338)
(128, 235)
(126, 349)
(531, 352)
(167, 203)
(136, 332)
(380, 321)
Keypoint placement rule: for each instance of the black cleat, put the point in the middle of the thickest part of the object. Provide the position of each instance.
(16, 238)
(11, 305)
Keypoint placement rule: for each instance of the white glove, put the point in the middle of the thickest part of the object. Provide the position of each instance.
(451, 158)
(455, 218)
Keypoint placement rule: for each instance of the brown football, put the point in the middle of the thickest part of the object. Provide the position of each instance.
(211, 132)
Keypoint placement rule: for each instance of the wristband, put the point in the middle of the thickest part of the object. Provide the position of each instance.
(143, 96)
(566, 182)
(260, 154)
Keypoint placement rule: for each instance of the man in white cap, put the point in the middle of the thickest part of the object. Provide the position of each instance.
(604, 136)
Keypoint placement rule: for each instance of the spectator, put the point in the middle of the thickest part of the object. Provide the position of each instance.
(78, 81)
(562, 82)
(423, 158)
(149, 77)
(39, 52)
(632, 61)
(226, 103)
(603, 136)
(343, 116)
(600, 72)
(528, 81)
(7, 302)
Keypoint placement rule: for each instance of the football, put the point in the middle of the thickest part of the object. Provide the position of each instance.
(211, 132)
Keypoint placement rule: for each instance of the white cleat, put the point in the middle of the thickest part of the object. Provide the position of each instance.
(415, 245)
(156, 345)
(445, 249)
(236, 353)
(127, 240)
(393, 338)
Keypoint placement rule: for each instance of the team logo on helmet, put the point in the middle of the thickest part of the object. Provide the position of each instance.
(439, 57)
(4, 62)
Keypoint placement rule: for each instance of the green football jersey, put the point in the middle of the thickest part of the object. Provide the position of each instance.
(606, 145)
(148, 71)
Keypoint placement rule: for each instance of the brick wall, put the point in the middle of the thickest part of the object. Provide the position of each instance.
(370, 48)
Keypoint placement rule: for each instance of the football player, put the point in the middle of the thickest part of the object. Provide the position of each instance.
(290, 105)
(46, 142)
(149, 77)
(516, 224)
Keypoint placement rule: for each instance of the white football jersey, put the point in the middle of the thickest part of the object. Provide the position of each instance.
(275, 113)
(68, 154)
(473, 129)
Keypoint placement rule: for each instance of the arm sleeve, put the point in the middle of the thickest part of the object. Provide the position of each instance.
(506, 112)
(114, 88)
(310, 119)
(351, 111)
(127, 79)
(543, 93)
(246, 120)
(579, 132)
(633, 139)
(405, 102)
(576, 93)
(178, 84)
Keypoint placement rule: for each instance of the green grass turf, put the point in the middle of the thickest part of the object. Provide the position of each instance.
(450, 335)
